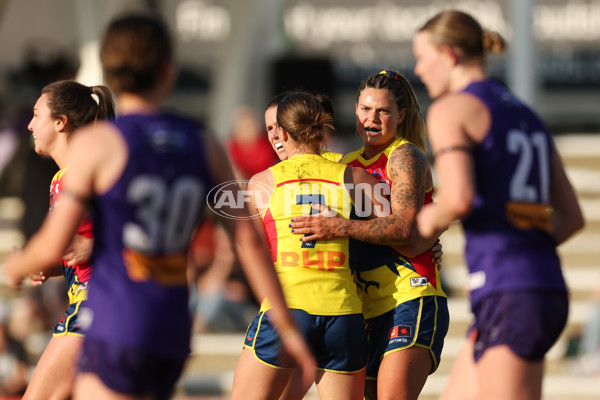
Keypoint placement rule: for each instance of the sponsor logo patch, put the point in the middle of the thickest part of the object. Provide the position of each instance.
(420, 281)
(399, 331)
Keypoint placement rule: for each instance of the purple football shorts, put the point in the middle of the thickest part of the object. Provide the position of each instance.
(131, 371)
(529, 323)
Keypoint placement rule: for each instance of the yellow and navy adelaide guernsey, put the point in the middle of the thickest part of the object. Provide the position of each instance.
(77, 276)
(384, 277)
(315, 276)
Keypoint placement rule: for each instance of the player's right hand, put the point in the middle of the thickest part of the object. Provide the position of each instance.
(37, 278)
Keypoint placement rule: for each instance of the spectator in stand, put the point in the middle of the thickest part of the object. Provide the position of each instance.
(248, 146)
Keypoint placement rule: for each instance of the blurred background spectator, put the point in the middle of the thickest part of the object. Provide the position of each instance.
(248, 145)
(221, 300)
(13, 359)
(583, 352)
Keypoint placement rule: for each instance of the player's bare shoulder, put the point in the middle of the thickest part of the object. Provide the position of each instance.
(97, 137)
(99, 150)
(409, 160)
(262, 184)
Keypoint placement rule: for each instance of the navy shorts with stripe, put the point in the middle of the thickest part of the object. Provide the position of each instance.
(338, 342)
(419, 322)
(528, 322)
(70, 322)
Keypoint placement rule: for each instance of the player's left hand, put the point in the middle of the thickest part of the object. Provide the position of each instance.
(437, 253)
(79, 251)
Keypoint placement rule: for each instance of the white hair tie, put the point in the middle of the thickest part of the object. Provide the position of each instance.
(96, 98)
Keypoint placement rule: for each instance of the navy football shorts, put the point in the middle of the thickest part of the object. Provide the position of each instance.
(70, 324)
(338, 342)
(421, 322)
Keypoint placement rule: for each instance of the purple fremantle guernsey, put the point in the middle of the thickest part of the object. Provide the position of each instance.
(142, 228)
(512, 164)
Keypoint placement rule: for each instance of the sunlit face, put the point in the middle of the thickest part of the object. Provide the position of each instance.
(431, 65)
(377, 117)
(43, 126)
(273, 132)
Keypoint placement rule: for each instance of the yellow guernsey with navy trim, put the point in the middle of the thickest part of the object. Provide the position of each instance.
(315, 276)
(384, 277)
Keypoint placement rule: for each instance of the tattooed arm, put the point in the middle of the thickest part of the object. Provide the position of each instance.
(409, 171)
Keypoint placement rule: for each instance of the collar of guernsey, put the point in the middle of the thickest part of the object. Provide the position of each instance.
(58, 175)
(358, 154)
(315, 276)
(378, 165)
